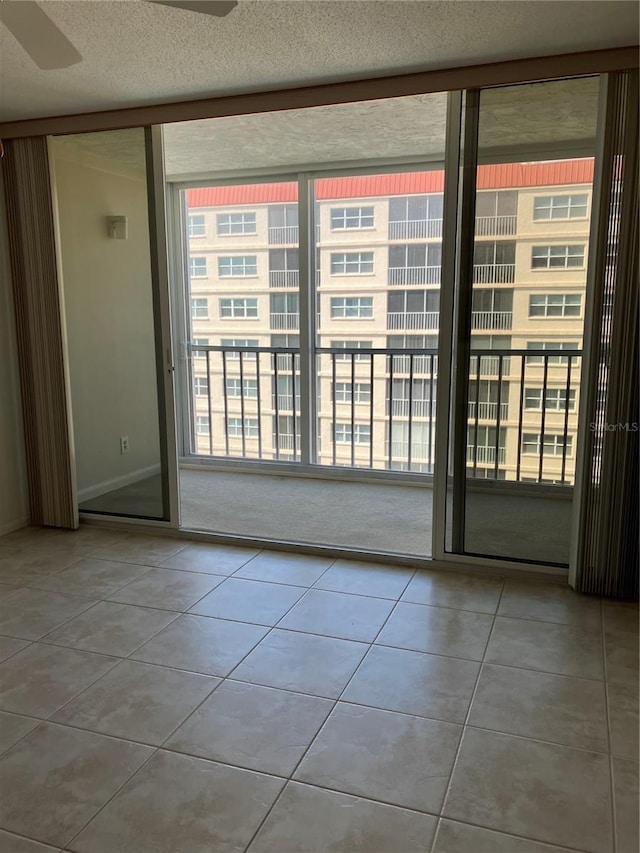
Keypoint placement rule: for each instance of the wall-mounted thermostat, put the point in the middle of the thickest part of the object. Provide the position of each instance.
(117, 227)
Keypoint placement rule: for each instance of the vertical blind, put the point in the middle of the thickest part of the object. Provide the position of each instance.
(607, 543)
(40, 334)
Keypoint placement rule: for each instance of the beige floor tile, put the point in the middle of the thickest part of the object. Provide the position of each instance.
(309, 820)
(31, 613)
(549, 603)
(56, 779)
(92, 578)
(178, 803)
(624, 720)
(34, 562)
(285, 567)
(302, 662)
(55, 675)
(140, 549)
(569, 711)
(7, 590)
(87, 537)
(249, 601)
(210, 559)
(562, 649)
(627, 798)
(256, 727)
(399, 759)
(453, 589)
(415, 683)
(10, 843)
(138, 701)
(454, 837)
(201, 644)
(438, 630)
(361, 578)
(621, 643)
(335, 614)
(13, 728)
(112, 629)
(167, 589)
(541, 791)
(9, 646)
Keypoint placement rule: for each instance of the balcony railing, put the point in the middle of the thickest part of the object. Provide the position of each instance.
(494, 273)
(285, 321)
(389, 425)
(495, 226)
(491, 319)
(284, 278)
(488, 411)
(414, 229)
(413, 319)
(283, 235)
(414, 275)
(487, 455)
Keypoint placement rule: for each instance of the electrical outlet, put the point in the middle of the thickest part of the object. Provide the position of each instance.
(124, 444)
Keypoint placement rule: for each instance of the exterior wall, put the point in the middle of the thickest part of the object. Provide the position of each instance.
(521, 279)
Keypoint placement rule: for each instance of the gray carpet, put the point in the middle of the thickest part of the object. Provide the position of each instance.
(370, 516)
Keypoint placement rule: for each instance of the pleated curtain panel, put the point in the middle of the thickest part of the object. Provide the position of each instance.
(40, 334)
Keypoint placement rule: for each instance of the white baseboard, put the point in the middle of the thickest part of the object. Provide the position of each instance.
(16, 524)
(117, 483)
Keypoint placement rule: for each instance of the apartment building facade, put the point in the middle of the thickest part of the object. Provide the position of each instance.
(377, 294)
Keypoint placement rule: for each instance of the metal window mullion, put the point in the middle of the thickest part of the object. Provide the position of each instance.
(445, 338)
(307, 301)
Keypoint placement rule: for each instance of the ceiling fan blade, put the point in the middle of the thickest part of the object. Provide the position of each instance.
(39, 36)
(218, 8)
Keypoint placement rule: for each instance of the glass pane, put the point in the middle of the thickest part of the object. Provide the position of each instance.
(536, 145)
(243, 296)
(101, 186)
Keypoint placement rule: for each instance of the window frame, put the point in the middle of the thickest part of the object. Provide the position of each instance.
(232, 300)
(354, 212)
(550, 207)
(549, 247)
(190, 225)
(192, 268)
(547, 297)
(243, 267)
(200, 299)
(354, 299)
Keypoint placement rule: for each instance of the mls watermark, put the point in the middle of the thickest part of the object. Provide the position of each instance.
(619, 427)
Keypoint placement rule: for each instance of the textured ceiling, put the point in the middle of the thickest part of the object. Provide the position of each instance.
(539, 121)
(139, 53)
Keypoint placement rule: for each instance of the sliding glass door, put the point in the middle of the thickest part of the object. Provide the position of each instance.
(525, 238)
(114, 295)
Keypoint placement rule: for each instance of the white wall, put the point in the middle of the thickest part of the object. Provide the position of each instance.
(14, 504)
(108, 306)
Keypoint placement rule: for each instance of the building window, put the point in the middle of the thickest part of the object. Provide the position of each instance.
(283, 216)
(345, 218)
(239, 344)
(350, 307)
(352, 345)
(554, 445)
(557, 257)
(201, 386)
(413, 302)
(555, 399)
(248, 388)
(560, 206)
(202, 425)
(360, 392)
(352, 263)
(496, 203)
(550, 345)
(551, 305)
(237, 266)
(236, 223)
(285, 386)
(238, 307)
(415, 263)
(235, 427)
(422, 439)
(416, 208)
(199, 308)
(197, 227)
(343, 435)
(196, 345)
(197, 267)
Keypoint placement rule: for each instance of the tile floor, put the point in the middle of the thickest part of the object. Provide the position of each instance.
(160, 696)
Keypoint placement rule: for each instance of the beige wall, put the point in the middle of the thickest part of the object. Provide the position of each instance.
(107, 297)
(14, 505)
